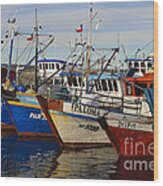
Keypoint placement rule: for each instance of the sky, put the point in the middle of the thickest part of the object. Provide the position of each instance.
(127, 23)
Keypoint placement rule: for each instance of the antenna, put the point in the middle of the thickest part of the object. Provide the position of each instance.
(118, 39)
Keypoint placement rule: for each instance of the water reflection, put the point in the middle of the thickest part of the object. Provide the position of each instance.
(28, 158)
(86, 164)
(44, 159)
(134, 169)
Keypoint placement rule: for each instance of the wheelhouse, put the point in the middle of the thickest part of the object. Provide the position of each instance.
(135, 86)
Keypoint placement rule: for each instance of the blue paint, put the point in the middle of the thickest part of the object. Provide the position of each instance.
(5, 115)
(149, 100)
(28, 119)
(25, 117)
(52, 60)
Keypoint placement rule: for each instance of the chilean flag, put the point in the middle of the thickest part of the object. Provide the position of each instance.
(79, 29)
(30, 38)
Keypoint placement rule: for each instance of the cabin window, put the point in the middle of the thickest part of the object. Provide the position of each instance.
(80, 81)
(75, 82)
(130, 64)
(46, 66)
(69, 80)
(129, 89)
(40, 66)
(104, 85)
(149, 65)
(57, 66)
(136, 64)
(50, 66)
(100, 86)
(53, 66)
(142, 64)
(110, 85)
(139, 91)
(115, 85)
(96, 85)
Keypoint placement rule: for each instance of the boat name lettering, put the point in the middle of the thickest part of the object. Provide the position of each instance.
(125, 124)
(85, 109)
(38, 116)
(89, 127)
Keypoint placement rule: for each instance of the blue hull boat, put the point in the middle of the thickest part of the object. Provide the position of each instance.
(28, 117)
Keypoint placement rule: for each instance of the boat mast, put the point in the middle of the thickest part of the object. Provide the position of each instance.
(36, 49)
(12, 22)
(88, 55)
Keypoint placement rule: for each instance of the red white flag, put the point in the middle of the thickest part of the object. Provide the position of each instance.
(30, 38)
(80, 28)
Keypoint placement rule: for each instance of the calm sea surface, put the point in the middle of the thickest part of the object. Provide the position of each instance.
(44, 159)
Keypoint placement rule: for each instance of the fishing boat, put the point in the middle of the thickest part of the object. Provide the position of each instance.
(23, 106)
(133, 135)
(75, 130)
(130, 136)
(84, 98)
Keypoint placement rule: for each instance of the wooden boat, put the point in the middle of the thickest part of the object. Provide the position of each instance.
(75, 130)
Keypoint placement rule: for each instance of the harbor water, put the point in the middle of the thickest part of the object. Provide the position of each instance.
(44, 159)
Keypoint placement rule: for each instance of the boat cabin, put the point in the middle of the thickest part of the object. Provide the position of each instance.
(135, 86)
(106, 84)
(140, 65)
(47, 67)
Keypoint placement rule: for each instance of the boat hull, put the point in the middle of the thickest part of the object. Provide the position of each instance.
(30, 121)
(6, 115)
(130, 142)
(7, 121)
(77, 131)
